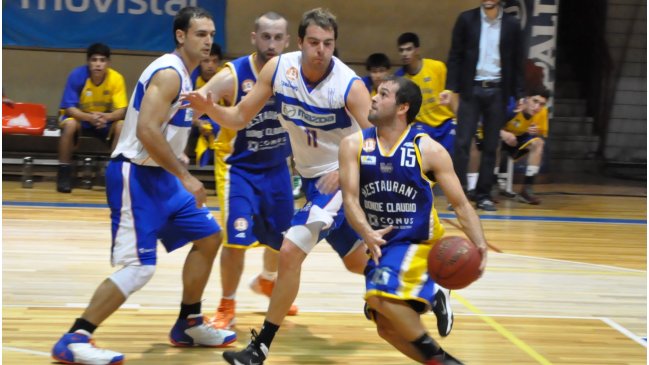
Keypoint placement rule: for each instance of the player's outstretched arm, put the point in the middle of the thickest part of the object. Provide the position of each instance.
(359, 102)
(221, 86)
(238, 116)
(435, 159)
(160, 93)
(350, 185)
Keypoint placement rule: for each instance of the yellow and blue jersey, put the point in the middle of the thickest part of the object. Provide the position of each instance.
(394, 191)
(203, 143)
(264, 142)
(81, 93)
(519, 123)
(431, 79)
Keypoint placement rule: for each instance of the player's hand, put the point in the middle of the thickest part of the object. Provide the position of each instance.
(374, 240)
(483, 253)
(508, 138)
(196, 188)
(519, 105)
(99, 120)
(329, 183)
(533, 130)
(445, 97)
(195, 100)
(184, 159)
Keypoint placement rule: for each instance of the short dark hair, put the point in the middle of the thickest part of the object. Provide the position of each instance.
(98, 48)
(538, 90)
(377, 60)
(408, 37)
(216, 51)
(409, 93)
(184, 17)
(320, 17)
(270, 15)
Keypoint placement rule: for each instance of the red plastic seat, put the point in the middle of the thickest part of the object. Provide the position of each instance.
(23, 118)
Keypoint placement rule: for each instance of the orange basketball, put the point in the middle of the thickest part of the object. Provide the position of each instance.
(454, 262)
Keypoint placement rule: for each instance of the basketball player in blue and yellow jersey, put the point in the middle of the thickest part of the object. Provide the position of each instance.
(94, 103)
(152, 196)
(252, 175)
(524, 134)
(430, 76)
(387, 173)
(378, 67)
(205, 128)
(319, 101)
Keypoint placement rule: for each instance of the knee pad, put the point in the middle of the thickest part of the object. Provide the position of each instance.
(305, 236)
(132, 278)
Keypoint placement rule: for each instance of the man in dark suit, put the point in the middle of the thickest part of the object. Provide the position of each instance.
(485, 67)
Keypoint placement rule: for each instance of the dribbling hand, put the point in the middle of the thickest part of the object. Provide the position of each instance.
(374, 240)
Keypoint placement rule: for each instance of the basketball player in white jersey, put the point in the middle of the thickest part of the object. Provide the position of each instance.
(320, 101)
(152, 196)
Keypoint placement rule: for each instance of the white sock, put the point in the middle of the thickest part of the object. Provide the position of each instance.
(531, 170)
(268, 275)
(471, 180)
(230, 297)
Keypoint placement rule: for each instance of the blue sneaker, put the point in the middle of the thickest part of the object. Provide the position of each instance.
(194, 331)
(78, 349)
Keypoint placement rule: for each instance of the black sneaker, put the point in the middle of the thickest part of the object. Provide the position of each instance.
(487, 205)
(443, 311)
(64, 179)
(444, 359)
(254, 354)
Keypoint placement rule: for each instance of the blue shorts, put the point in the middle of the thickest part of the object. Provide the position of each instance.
(402, 274)
(146, 204)
(444, 133)
(327, 208)
(256, 207)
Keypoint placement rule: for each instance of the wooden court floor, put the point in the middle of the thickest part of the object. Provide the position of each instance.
(569, 288)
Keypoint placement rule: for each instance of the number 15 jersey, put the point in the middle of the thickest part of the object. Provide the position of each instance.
(394, 190)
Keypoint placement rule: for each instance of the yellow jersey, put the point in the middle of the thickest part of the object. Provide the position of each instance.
(431, 79)
(519, 124)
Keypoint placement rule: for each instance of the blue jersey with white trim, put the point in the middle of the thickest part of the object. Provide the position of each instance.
(394, 190)
(263, 143)
(315, 116)
(178, 123)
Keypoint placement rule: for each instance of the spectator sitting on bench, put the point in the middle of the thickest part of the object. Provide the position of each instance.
(94, 104)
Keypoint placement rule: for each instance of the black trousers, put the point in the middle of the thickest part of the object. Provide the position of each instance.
(486, 105)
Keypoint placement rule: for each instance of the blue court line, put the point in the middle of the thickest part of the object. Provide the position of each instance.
(441, 215)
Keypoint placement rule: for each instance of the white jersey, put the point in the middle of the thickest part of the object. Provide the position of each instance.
(175, 129)
(315, 117)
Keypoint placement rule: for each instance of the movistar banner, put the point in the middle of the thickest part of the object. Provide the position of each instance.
(142, 25)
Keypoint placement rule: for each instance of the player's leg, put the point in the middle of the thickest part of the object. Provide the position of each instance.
(69, 130)
(534, 157)
(188, 223)
(276, 207)
(238, 207)
(135, 249)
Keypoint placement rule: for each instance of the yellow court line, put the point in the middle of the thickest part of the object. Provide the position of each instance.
(502, 330)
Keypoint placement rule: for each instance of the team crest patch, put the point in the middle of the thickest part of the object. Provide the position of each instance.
(368, 160)
(241, 224)
(369, 145)
(247, 85)
(291, 73)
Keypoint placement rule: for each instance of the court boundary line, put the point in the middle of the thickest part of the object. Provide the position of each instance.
(25, 351)
(576, 262)
(623, 330)
(517, 218)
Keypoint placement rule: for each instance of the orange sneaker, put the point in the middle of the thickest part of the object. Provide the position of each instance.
(224, 316)
(265, 287)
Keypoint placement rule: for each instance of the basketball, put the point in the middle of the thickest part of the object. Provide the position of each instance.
(454, 262)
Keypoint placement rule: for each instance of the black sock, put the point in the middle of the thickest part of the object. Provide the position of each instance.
(529, 180)
(267, 333)
(82, 324)
(427, 346)
(189, 309)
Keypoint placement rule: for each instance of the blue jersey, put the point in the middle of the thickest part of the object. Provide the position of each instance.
(264, 142)
(394, 190)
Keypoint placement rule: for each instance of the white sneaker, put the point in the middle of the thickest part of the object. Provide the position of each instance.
(195, 331)
(77, 348)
